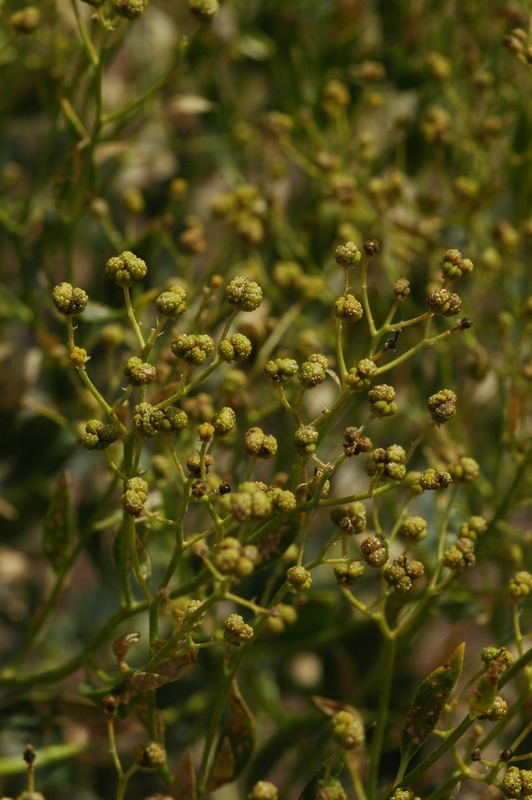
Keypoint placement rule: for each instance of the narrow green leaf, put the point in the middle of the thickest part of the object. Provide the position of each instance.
(428, 703)
(235, 743)
(310, 792)
(59, 523)
(482, 699)
(184, 784)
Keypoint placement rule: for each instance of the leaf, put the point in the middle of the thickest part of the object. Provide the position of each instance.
(310, 792)
(235, 743)
(144, 560)
(482, 699)
(59, 524)
(175, 668)
(144, 681)
(428, 703)
(184, 784)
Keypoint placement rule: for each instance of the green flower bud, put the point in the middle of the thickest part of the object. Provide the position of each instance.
(139, 373)
(78, 357)
(461, 555)
(402, 794)
(283, 500)
(330, 789)
(244, 294)
(375, 551)
(347, 255)
(126, 268)
(360, 376)
(257, 443)
(473, 528)
(172, 302)
(348, 731)
(432, 479)
(497, 711)
(150, 755)
(442, 406)
(298, 579)
(312, 372)
(130, 9)
(99, 436)
(263, 790)
(192, 349)
(382, 398)
(26, 20)
(194, 465)
(443, 303)
(455, 266)
(224, 421)
(520, 585)
(465, 471)
(236, 348)
(401, 574)
(347, 574)
(401, 289)
(236, 630)
(350, 519)
(69, 300)
(206, 432)
(414, 529)
(227, 554)
(204, 10)
(511, 784)
(489, 654)
(348, 308)
(249, 503)
(306, 439)
(281, 370)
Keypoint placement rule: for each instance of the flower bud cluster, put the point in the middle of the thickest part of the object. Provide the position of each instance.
(455, 265)
(432, 479)
(99, 436)
(250, 501)
(281, 370)
(149, 421)
(243, 294)
(224, 422)
(375, 551)
(263, 790)
(348, 308)
(382, 400)
(461, 554)
(194, 465)
(347, 255)
(347, 730)
(402, 573)
(354, 443)
(236, 630)
(306, 440)
(517, 782)
(389, 463)
(520, 585)
(282, 616)
(135, 496)
(442, 406)
(233, 558)
(414, 529)
(126, 268)
(138, 372)
(69, 300)
(466, 470)
(236, 348)
(260, 444)
(313, 371)
(350, 519)
(444, 303)
(78, 357)
(150, 755)
(497, 711)
(191, 348)
(473, 528)
(360, 376)
(171, 303)
(299, 580)
(347, 573)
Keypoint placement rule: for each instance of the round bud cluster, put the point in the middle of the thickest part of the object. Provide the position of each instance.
(191, 608)
(313, 371)
(414, 529)
(401, 289)
(455, 266)
(317, 484)
(442, 406)
(204, 10)
(263, 790)
(69, 300)
(138, 372)
(465, 470)
(433, 479)
(249, 502)
(192, 239)
(306, 440)
(149, 421)
(347, 731)
(224, 422)
(513, 785)
(281, 370)
(126, 268)
(389, 463)
(489, 654)
(348, 308)
(135, 496)
(282, 616)
(233, 558)
(354, 443)
(171, 303)
(26, 20)
(236, 630)
(78, 357)
(402, 573)
(347, 255)
(382, 400)
(371, 247)
(347, 574)
(194, 465)
(244, 294)
(412, 483)
(330, 789)
(444, 303)
(497, 711)
(98, 436)
(150, 755)
(360, 376)
(520, 585)
(205, 432)
(236, 348)
(287, 274)
(460, 555)
(260, 444)
(191, 348)
(298, 579)
(403, 793)
(350, 519)
(284, 500)
(473, 528)
(375, 551)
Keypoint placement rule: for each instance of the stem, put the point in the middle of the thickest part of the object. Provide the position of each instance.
(133, 319)
(385, 686)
